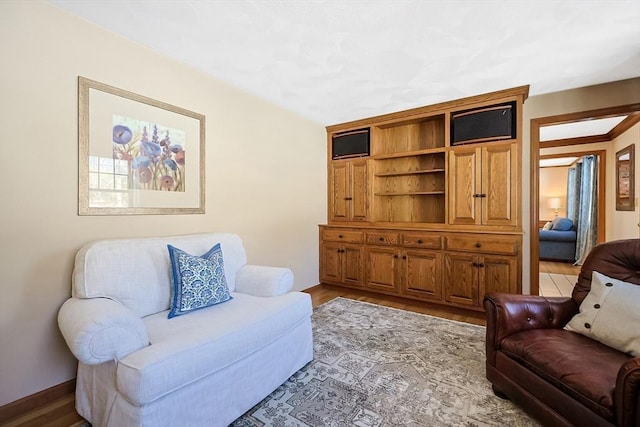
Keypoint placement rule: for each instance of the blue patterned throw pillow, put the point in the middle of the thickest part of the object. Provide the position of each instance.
(196, 281)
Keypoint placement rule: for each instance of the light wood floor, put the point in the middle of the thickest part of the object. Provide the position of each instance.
(58, 413)
(559, 268)
(61, 412)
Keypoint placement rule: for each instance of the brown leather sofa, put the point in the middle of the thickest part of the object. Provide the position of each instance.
(560, 377)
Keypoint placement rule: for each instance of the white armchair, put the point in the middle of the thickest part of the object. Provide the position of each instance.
(137, 367)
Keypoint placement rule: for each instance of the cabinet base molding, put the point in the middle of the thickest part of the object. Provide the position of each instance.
(402, 303)
(409, 298)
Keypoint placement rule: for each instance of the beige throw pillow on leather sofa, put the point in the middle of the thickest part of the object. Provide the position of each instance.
(610, 314)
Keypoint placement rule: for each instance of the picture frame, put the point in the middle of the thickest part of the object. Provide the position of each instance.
(137, 155)
(625, 179)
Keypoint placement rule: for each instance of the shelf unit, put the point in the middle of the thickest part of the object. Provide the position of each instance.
(388, 174)
(405, 138)
(409, 183)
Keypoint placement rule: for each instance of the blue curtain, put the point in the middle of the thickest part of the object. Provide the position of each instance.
(573, 190)
(582, 205)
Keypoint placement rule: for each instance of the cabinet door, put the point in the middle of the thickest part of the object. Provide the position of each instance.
(331, 263)
(422, 274)
(382, 270)
(358, 191)
(499, 182)
(498, 274)
(339, 179)
(464, 184)
(352, 265)
(461, 279)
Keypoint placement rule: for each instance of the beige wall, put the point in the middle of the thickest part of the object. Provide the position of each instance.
(553, 183)
(623, 224)
(265, 172)
(570, 101)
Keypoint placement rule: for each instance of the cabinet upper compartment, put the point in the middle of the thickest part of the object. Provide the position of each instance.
(409, 137)
(492, 123)
(413, 174)
(350, 144)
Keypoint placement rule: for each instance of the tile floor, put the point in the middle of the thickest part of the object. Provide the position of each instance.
(556, 285)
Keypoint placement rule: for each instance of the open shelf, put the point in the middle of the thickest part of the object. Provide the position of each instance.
(421, 183)
(425, 152)
(409, 187)
(389, 174)
(410, 207)
(411, 193)
(412, 136)
(409, 164)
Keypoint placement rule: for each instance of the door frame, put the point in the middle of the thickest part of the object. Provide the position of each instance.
(534, 182)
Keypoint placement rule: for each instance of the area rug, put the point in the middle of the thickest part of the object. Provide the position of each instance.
(378, 366)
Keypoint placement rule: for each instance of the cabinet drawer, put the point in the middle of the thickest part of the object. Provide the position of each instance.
(421, 241)
(382, 239)
(483, 243)
(343, 236)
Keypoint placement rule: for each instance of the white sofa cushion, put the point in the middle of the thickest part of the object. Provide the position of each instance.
(187, 348)
(139, 272)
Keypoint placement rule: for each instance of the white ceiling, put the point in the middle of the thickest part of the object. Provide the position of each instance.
(558, 161)
(581, 128)
(339, 60)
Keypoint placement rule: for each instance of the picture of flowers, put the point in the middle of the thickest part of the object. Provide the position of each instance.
(155, 154)
(132, 154)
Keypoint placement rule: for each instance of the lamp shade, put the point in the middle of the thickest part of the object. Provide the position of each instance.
(554, 203)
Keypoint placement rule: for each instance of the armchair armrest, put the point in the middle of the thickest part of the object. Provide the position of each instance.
(511, 313)
(264, 281)
(98, 330)
(627, 394)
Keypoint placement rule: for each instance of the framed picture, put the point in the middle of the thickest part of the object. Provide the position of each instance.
(137, 156)
(625, 179)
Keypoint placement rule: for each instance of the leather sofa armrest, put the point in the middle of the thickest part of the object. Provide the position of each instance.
(510, 313)
(627, 394)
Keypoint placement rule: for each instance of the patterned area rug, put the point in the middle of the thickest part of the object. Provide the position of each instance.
(378, 366)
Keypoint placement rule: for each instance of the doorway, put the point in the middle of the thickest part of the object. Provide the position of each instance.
(601, 193)
(632, 117)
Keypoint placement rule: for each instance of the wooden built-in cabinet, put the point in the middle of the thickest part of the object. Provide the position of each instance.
(422, 217)
(342, 257)
(476, 264)
(483, 185)
(405, 272)
(382, 268)
(392, 264)
(422, 274)
(348, 198)
(449, 268)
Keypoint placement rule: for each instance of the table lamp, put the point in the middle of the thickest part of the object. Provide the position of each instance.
(555, 203)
